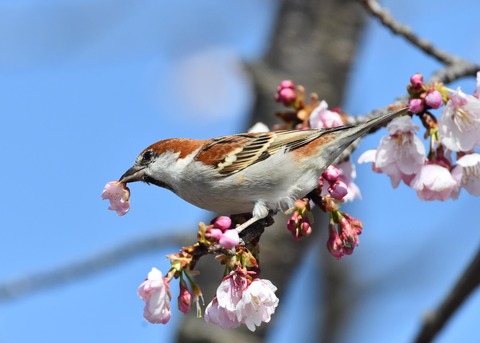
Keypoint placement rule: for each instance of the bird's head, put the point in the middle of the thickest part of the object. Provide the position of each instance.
(159, 164)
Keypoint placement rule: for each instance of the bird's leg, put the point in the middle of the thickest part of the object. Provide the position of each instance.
(260, 211)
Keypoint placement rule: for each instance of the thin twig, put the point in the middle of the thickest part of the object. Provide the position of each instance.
(436, 320)
(73, 271)
(374, 8)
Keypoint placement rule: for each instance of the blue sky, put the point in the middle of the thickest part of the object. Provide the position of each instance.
(86, 85)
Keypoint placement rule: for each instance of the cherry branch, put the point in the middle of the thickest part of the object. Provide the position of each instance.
(374, 8)
(58, 276)
(456, 67)
(455, 72)
(466, 284)
(446, 75)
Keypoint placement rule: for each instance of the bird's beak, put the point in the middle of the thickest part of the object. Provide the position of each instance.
(134, 174)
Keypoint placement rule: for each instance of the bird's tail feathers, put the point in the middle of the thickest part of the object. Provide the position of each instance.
(360, 130)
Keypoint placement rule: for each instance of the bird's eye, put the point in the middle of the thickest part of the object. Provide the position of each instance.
(147, 157)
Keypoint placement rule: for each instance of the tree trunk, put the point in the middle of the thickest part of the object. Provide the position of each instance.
(314, 44)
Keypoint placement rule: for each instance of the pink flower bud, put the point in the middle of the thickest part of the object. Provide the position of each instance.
(416, 80)
(305, 228)
(434, 99)
(349, 236)
(355, 223)
(286, 84)
(335, 243)
(229, 239)
(287, 96)
(213, 234)
(223, 223)
(338, 190)
(416, 105)
(331, 174)
(184, 298)
(292, 223)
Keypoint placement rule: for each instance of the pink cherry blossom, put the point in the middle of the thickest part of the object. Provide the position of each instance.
(258, 303)
(459, 124)
(218, 315)
(401, 154)
(119, 196)
(467, 174)
(230, 291)
(221, 310)
(322, 118)
(155, 291)
(239, 302)
(433, 182)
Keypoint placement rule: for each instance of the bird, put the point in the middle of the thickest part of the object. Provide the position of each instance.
(250, 172)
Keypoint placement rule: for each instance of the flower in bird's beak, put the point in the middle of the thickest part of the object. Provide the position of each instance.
(119, 196)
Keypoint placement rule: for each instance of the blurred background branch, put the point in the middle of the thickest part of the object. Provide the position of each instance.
(91, 265)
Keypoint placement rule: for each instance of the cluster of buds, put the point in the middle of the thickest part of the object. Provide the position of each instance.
(220, 231)
(286, 93)
(299, 223)
(343, 232)
(337, 188)
(299, 111)
(424, 97)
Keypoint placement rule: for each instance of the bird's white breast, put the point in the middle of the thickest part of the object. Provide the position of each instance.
(276, 181)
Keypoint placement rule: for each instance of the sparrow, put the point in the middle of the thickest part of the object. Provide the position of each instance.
(249, 172)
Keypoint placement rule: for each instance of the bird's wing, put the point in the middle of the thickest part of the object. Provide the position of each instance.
(231, 154)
